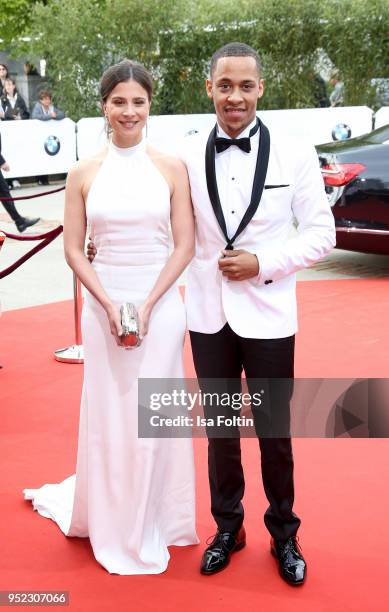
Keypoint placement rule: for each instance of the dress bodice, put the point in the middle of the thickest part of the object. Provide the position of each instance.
(128, 208)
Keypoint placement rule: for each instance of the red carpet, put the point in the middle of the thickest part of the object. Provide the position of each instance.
(341, 485)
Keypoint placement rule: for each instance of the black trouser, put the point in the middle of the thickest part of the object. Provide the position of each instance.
(8, 204)
(225, 355)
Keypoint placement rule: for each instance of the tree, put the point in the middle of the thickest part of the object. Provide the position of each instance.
(80, 38)
(15, 16)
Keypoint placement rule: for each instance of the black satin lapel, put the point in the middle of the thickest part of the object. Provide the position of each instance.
(210, 173)
(259, 178)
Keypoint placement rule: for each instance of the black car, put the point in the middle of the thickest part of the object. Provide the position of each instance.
(356, 177)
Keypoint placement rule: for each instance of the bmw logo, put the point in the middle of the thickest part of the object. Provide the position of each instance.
(52, 145)
(341, 132)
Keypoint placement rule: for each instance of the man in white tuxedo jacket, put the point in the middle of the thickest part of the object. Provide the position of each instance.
(249, 189)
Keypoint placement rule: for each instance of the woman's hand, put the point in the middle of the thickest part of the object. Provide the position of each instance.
(144, 313)
(91, 250)
(113, 314)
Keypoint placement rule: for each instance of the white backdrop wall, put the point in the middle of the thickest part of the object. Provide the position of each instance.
(23, 142)
(23, 146)
(91, 136)
(166, 132)
(382, 117)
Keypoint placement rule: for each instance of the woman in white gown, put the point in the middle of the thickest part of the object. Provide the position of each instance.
(132, 497)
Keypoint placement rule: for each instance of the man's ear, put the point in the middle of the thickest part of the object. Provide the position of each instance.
(208, 87)
(261, 88)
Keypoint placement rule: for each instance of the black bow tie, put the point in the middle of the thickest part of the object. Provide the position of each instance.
(221, 144)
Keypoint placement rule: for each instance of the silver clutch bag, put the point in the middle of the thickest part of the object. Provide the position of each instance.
(130, 325)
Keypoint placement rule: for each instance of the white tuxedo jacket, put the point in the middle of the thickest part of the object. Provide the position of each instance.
(264, 306)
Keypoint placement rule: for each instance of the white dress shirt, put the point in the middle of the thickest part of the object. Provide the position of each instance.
(235, 171)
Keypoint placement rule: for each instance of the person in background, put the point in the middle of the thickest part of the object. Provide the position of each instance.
(13, 104)
(337, 94)
(320, 95)
(22, 223)
(44, 109)
(30, 70)
(3, 75)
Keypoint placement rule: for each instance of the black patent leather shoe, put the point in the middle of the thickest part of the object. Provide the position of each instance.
(291, 562)
(217, 556)
(23, 225)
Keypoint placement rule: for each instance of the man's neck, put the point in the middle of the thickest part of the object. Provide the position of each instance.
(242, 132)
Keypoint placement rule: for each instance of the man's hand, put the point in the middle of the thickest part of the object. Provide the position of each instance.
(5, 167)
(238, 265)
(91, 250)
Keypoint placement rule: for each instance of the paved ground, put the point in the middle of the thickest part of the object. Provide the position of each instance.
(46, 277)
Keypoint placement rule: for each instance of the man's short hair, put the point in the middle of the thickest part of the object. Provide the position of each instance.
(44, 93)
(235, 49)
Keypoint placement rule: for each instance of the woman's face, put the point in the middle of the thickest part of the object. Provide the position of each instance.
(9, 87)
(127, 109)
(3, 72)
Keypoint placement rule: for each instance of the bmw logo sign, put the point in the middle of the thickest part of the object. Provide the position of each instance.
(52, 145)
(341, 132)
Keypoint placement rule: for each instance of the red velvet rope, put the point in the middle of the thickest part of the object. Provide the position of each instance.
(46, 239)
(34, 195)
(32, 236)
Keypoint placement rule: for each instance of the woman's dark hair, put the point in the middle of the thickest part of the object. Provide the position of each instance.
(6, 67)
(126, 70)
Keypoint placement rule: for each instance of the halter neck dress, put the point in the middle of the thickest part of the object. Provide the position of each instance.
(133, 497)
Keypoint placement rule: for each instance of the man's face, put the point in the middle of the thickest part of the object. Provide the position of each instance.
(235, 89)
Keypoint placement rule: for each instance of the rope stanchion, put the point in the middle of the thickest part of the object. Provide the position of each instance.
(33, 195)
(46, 239)
(75, 352)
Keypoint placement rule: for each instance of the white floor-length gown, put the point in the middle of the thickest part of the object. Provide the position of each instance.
(132, 497)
